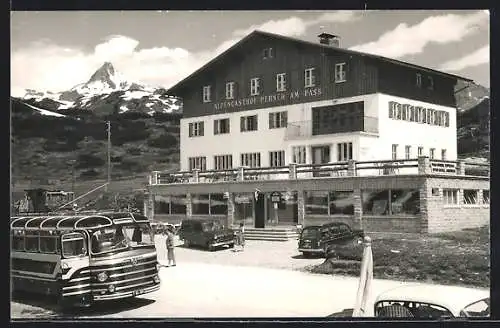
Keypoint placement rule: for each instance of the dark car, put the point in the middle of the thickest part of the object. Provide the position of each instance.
(205, 233)
(323, 239)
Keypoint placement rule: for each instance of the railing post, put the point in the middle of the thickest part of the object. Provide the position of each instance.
(241, 173)
(292, 171)
(196, 175)
(424, 165)
(351, 168)
(189, 205)
(460, 167)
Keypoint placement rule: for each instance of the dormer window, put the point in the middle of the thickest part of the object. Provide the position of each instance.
(268, 53)
(340, 74)
(418, 80)
(309, 78)
(230, 90)
(207, 97)
(431, 83)
(254, 86)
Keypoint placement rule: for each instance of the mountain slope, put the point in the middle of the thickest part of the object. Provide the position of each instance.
(106, 92)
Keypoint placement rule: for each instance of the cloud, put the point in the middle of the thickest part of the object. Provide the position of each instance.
(44, 65)
(408, 40)
(478, 57)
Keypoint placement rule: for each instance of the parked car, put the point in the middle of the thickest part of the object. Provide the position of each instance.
(323, 239)
(207, 233)
(433, 302)
(429, 302)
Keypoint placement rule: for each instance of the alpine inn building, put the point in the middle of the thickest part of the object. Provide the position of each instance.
(278, 131)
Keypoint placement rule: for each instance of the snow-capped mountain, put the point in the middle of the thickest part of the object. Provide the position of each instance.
(107, 91)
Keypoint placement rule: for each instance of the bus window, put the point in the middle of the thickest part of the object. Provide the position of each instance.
(73, 244)
(31, 241)
(48, 242)
(18, 240)
(139, 234)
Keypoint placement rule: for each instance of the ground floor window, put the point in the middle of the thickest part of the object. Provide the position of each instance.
(470, 197)
(391, 202)
(199, 163)
(450, 196)
(277, 158)
(299, 154)
(243, 208)
(329, 202)
(173, 204)
(223, 162)
(250, 159)
(209, 204)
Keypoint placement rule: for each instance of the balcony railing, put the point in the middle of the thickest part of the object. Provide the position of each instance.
(304, 129)
(422, 165)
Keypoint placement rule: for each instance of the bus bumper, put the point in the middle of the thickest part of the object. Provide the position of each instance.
(132, 293)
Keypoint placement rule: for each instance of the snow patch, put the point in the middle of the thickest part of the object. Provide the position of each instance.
(124, 109)
(135, 95)
(45, 112)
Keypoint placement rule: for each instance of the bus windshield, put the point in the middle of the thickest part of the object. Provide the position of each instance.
(121, 237)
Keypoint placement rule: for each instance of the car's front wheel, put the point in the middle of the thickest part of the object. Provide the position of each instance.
(306, 255)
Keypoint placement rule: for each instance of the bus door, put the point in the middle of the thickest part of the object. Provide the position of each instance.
(75, 267)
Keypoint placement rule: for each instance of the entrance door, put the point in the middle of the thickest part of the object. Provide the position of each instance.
(320, 155)
(260, 212)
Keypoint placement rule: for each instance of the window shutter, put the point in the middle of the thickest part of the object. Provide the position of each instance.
(190, 129)
(284, 119)
(242, 124)
(202, 124)
(271, 120)
(317, 76)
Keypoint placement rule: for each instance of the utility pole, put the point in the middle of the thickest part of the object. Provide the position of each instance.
(108, 123)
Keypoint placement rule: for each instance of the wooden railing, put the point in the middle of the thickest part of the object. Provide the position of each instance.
(422, 165)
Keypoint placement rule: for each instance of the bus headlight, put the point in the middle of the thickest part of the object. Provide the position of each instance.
(111, 288)
(102, 276)
(156, 279)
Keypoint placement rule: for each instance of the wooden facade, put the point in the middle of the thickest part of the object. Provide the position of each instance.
(365, 74)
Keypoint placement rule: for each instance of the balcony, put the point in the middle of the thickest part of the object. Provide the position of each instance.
(305, 129)
(420, 166)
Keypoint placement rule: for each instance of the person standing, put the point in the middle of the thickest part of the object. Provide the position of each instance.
(242, 236)
(170, 247)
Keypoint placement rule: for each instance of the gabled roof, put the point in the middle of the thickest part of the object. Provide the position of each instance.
(255, 33)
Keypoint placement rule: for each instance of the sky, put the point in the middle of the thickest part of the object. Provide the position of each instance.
(56, 50)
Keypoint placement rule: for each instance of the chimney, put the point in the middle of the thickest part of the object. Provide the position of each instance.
(329, 39)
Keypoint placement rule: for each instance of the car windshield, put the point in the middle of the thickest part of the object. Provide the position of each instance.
(211, 226)
(478, 309)
(122, 236)
(310, 232)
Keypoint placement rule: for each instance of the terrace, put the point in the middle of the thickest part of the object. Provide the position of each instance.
(419, 166)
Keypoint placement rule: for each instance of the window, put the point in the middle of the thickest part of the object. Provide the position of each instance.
(340, 73)
(486, 196)
(344, 151)
(196, 129)
(450, 196)
(418, 113)
(268, 53)
(309, 78)
(221, 126)
(250, 159)
(207, 94)
(429, 116)
(248, 123)
(341, 203)
(48, 242)
(394, 151)
(443, 154)
(398, 111)
(199, 163)
(316, 202)
(446, 119)
(200, 204)
(173, 204)
(223, 162)
(73, 244)
(299, 154)
(254, 86)
(431, 83)
(432, 153)
(435, 191)
(281, 82)
(392, 109)
(407, 152)
(391, 201)
(18, 240)
(31, 241)
(277, 120)
(420, 151)
(277, 158)
(230, 90)
(470, 197)
(424, 115)
(404, 112)
(412, 114)
(418, 81)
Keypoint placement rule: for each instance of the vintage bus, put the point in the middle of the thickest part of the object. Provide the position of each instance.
(86, 258)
